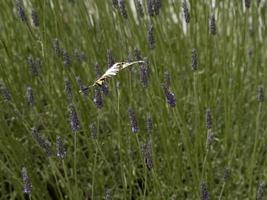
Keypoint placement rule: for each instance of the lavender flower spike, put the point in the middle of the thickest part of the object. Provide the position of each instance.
(132, 117)
(27, 185)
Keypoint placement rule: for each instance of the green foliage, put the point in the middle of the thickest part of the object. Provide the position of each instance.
(182, 155)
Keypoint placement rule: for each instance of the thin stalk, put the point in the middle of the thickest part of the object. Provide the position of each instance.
(95, 159)
(75, 161)
(222, 190)
(253, 158)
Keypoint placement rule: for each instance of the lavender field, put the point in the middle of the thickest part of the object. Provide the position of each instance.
(186, 122)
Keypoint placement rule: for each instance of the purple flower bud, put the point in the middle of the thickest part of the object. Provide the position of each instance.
(139, 8)
(150, 8)
(42, 142)
(260, 192)
(153, 7)
(74, 120)
(210, 138)
(57, 48)
(170, 97)
(68, 90)
(35, 18)
(66, 59)
(61, 150)
(27, 185)
(147, 154)
(150, 37)
(108, 195)
(34, 65)
(204, 191)
(208, 119)
(186, 11)
(21, 11)
(144, 73)
(260, 96)
(5, 93)
(133, 121)
(194, 59)
(123, 8)
(115, 4)
(213, 27)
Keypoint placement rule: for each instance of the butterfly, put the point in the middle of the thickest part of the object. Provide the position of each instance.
(112, 71)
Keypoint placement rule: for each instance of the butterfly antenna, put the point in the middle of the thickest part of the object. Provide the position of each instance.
(86, 88)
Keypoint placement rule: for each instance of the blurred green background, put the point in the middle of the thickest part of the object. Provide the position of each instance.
(209, 55)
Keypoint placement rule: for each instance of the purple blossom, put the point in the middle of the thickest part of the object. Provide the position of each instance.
(170, 97)
(27, 185)
(74, 120)
(133, 121)
(61, 150)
